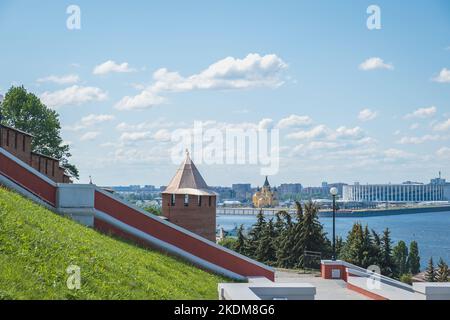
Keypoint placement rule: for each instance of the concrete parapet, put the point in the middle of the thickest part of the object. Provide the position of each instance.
(266, 291)
(433, 290)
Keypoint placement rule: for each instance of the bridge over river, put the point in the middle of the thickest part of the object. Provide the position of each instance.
(228, 211)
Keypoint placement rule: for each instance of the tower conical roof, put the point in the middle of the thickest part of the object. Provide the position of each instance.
(266, 183)
(188, 180)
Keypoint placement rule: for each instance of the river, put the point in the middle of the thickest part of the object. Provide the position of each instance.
(430, 230)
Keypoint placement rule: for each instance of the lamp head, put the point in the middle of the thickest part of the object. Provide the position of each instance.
(334, 191)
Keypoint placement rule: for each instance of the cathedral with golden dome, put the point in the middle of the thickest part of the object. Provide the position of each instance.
(265, 197)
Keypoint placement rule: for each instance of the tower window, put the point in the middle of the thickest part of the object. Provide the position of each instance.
(186, 200)
(199, 201)
(210, 200)
(172, 200)
(24, 141)
(15, 140)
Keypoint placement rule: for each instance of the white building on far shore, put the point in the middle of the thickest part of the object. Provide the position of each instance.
(437, 190)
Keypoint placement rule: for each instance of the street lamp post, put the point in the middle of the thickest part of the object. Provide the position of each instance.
(334, 192)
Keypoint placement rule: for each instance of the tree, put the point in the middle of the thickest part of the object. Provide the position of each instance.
(367, 251)
(279, 227)
(312, 236)
(256, 234)
(400, 259)
(340, 244)
(24, 111)
(153, 210)
(353, 244)
(240, 243)
(265, 251)
(285, 258)
(377, 252)
(298, 245)
(430, 274)
(406, 278)
(386, 253)
(442, 272)
(413, 258)
(229, 243)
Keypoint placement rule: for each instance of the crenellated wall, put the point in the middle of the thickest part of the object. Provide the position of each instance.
(18, 143)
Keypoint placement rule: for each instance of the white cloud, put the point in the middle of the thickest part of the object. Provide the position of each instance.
(144, 100)
(265, 124)
(316, 132)
(147, 125)
(443, 152)
(226, 74)
(66, 79)
(135, 136)
(443, 76)
(90, 121)
(442, 126)
(344, 132)
(74, 95)
(294, 121)
(162, 135)
(111, 66)
(325, 133)
(375, 63)
(414, 126)
(419, 140)
(89, 136)
(397, 154)
(367, 114)
(422, 113)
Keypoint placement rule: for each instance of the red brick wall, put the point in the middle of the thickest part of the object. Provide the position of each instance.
(16, 143)
(166, 233)
(27, 180)
(200, 220)
(327, 269)
(19, 145)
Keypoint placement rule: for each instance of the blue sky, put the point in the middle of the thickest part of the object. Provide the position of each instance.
(358, 104)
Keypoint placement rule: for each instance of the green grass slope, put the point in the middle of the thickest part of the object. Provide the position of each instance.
(37, 246)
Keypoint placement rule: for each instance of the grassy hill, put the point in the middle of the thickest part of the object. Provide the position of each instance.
(36, 247)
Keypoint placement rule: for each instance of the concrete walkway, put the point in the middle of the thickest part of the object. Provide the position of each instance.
(325, 289)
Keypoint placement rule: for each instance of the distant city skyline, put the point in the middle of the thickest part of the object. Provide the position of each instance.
(253, 186)
(351, 104)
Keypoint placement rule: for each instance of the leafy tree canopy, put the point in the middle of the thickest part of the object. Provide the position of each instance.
(24, 111)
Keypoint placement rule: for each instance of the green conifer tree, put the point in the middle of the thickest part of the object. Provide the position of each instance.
(285, 258)
(413, 258)
(430, 274)
(241, 240)
(265, 252)
(400, 259)
(353, 250)
(255, 234)
(376, 254)
(386, 254)
(367, 250)
(312, 236)
(339, 247)
(442, 272)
